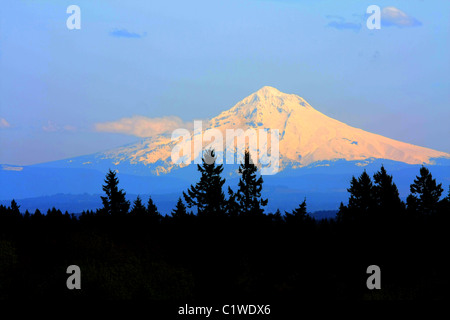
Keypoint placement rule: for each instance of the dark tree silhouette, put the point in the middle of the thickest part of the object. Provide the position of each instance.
(152, 210)
(445, 205)
(37, 213)
(232, 207)
(361, 193)
(207, 195)
(14, 208)
(298, 215)
(342, 214)
(248, 195)
(447, 198)
(292, 259)
(276, 217)
(386, 195)
(138, 208)
(425, 193)
(180, 210)
(361, 202)
(114, 203)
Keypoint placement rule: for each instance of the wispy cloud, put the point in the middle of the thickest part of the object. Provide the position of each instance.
(341, 23)
(53, 127)
(69, 128)
(4, 123)
(123, 33)
(50, 127)
(141, 126)
(392, 16)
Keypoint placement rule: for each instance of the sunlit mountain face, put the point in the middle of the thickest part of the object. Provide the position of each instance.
(306, 136)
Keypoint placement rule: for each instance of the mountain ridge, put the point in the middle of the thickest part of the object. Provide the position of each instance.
(307, 136)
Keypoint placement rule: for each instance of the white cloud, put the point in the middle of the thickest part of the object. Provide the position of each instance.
(392, 16)
(4, 123)
(141, 126)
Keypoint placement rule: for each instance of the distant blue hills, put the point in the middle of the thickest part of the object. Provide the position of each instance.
(323, 184)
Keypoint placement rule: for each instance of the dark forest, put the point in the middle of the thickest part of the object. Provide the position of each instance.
(221, 244)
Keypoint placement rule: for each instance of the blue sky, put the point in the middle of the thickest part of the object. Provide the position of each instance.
(193, 59)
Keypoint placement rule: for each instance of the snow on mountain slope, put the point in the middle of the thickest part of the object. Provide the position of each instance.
(306, 136)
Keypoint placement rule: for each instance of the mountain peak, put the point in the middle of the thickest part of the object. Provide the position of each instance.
(306, 136)
(268, 100)
(269, 91)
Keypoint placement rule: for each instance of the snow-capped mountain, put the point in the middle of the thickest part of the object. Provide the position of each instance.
(317, 157)
(306, 137)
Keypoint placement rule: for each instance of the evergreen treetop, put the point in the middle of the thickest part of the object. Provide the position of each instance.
(207, 194)
(114, 203)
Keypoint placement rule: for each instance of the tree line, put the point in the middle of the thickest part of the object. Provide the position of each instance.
(376, 198)
(219, 243)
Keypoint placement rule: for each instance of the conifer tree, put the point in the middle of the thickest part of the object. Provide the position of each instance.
(37, 213)
(387, 197)
(249, 193)
(232, 206)
(361, 202)
(14, 208)
(425, 193)
(447, 198)
(277, 218)
(445, 205)
(3, 209)
(54, 213)
(138, 209)
(299, 214)
(207, 195)
(180, 210)
(114, 203)
(361, 193)
(342, 214)
(152, 210)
